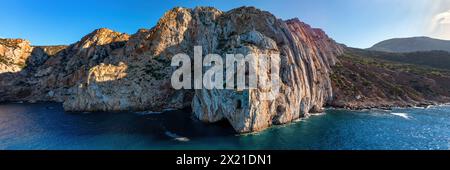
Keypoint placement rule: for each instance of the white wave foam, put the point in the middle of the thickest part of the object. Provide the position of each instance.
(317, 114)
(177, 137)
(417, 107)
(300, 120)
(403, 115)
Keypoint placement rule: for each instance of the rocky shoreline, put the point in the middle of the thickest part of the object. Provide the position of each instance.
(360, 108)
(391, 107)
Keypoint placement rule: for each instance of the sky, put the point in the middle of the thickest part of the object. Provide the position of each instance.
(356, 23)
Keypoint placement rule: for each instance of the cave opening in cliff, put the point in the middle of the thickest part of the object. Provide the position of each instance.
(238, 104)
(185, 118)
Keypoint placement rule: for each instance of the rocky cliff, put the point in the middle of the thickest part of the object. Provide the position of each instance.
(306, 56)
(110, 71)
(13, 54)
(141, 80)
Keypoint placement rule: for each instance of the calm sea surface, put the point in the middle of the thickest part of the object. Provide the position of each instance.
(47, 126)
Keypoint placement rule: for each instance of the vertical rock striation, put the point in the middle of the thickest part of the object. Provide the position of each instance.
(110, 71)
(306, 55)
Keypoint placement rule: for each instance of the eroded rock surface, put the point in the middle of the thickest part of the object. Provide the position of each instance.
(13, 54)
(110, 71)
(305, 55)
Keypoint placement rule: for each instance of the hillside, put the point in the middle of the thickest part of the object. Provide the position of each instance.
(435, 59)
(362, 81)
(412, 44)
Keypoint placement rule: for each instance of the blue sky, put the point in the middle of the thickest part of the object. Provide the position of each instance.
(356, 23)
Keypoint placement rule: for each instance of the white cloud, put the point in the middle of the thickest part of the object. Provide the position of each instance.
(442, 18)
(438, 22)
(440, 25)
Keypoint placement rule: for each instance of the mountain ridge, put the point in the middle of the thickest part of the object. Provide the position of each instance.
(412, 44)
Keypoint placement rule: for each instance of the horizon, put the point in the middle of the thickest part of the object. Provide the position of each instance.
(346, 22)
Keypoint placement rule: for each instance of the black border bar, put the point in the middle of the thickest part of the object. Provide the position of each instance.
(278, 159)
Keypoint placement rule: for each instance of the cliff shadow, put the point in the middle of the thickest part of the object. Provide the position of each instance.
(18, 86)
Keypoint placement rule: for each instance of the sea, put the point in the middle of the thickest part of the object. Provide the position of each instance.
(45, 126)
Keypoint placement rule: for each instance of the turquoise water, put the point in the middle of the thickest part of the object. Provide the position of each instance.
(47, 126)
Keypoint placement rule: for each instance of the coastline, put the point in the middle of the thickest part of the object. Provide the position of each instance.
(294, 121)
(327, 107)
(390, 106)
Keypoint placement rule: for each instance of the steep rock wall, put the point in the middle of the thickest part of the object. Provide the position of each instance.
(110, 71)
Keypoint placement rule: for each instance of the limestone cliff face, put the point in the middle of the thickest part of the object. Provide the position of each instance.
(52, 72)
(20, 61)
(134, 75)
(13, 54)
(110, 71)
(305, 55)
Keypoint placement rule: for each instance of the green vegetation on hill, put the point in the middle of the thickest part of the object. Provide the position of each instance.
(435, 59)
(361, 80)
